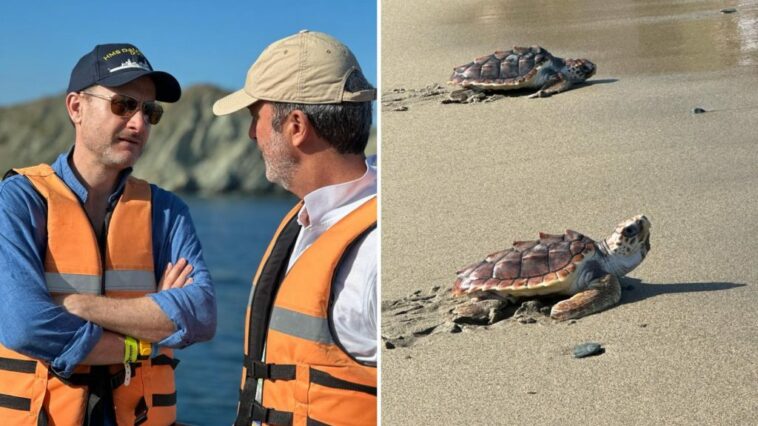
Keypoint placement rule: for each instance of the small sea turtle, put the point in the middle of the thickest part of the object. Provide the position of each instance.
(522, 68)
(570, 264)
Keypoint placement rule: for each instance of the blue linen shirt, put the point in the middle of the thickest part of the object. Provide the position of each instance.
(32, 324)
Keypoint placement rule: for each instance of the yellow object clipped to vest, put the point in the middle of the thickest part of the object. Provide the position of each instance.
(74, 263)
(308, 377)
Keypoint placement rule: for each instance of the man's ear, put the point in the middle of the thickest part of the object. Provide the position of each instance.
(299, 127)
(74, 107)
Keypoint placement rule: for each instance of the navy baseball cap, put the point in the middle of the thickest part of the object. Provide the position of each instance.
(112, 65)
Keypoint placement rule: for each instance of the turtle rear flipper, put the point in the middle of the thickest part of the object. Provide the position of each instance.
(601, 294)
(480, 312)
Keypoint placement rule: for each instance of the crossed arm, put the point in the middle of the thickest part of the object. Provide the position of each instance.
(90, 329)
(139, 317)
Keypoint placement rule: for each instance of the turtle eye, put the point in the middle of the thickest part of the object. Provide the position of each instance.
(630, 231)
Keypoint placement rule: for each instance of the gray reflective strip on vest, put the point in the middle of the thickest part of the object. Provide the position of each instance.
(130, 281)
(301, 325)
(72, 283)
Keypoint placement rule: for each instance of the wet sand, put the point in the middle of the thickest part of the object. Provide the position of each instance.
(461, 181)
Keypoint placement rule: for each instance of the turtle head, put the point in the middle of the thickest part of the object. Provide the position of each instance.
(629, 244)
(579, 70)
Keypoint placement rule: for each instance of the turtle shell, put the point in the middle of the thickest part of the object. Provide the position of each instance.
(543, 266)
(509, 69)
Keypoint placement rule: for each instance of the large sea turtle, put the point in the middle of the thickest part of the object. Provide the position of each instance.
(522, 68)
(570, 264)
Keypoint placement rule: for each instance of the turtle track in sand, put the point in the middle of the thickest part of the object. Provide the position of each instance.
(401, 99)
(411, 318)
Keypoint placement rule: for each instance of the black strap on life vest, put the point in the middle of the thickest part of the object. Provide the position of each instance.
(313, 422)
(43, 419)
(325, 379)
(88, 379)
(140, 412)
(18, 366)
(164, 399)
(164, 359)
(15, 402)
(9, 173)
(260, 313)
(267, 286)
(100, 408)
(261, 370)
(269, 415)
(117, 378)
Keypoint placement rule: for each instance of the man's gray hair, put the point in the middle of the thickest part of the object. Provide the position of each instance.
(345, 126)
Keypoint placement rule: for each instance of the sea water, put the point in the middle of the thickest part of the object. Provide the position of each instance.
(234, 233)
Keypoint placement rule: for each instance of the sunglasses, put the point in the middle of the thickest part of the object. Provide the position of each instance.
(126, 106)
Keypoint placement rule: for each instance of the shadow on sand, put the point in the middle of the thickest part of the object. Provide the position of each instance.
(634, 290)
(598, 81)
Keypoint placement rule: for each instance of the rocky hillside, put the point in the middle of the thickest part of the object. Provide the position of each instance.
(191, 150)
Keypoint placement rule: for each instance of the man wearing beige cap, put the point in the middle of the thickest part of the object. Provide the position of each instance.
(310, 341)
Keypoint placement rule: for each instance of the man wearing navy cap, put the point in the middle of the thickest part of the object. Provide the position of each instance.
(102, 273)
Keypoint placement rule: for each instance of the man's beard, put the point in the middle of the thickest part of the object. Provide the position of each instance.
(280, 163)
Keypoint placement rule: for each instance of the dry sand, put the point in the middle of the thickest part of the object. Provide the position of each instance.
(462, 181)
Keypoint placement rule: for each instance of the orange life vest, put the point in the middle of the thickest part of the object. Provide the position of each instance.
(30, 394)
(308, 377)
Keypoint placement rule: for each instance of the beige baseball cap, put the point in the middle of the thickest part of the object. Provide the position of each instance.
(306, 68)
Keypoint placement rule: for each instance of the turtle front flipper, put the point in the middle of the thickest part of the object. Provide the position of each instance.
(553, 86)
(601, 294)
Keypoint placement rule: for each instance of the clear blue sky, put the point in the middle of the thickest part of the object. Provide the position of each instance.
(212, 41)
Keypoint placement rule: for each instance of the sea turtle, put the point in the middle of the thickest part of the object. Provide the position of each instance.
(521, 68)
(570, 264)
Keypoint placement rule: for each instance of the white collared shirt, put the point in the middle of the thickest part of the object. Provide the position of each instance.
(355, 291)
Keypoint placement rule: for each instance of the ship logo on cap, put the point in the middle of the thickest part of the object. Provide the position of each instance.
(131, 64)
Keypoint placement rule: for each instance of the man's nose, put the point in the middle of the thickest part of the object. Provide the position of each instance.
(139, 121)
(252, 133)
